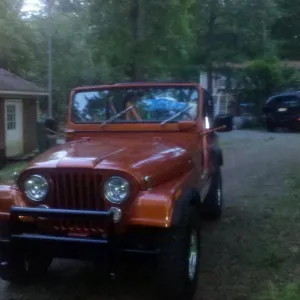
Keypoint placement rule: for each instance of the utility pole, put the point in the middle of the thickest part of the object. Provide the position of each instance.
(49, 4)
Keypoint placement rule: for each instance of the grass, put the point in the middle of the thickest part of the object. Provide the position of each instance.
(290, 291)
(254, 252)
(9, 169)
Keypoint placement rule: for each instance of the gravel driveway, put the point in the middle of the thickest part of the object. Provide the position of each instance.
(255, 165)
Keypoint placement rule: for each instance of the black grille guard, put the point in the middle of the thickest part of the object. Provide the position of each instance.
(17, 225)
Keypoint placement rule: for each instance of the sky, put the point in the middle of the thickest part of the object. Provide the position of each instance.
(31, 5)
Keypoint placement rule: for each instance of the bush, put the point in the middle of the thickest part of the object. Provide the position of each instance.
(261, 78)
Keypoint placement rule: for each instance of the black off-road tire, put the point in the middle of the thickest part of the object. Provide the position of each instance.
(212, 206)
(38, 266)
(14, 271)
(173, 259)
(21, 271)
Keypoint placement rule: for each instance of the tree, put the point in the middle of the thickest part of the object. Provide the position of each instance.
(135, 43)
(286, 29)
(97, 41)
(15, 55)
(72, 62)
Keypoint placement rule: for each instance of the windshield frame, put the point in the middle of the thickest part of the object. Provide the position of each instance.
(132, 87)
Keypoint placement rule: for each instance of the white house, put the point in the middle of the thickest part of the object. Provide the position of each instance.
(220, 84)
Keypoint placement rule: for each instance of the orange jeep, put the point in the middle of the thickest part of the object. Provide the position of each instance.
(140, 166)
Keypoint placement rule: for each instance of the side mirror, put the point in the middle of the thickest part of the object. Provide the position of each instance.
(223, 120)
(51, 126)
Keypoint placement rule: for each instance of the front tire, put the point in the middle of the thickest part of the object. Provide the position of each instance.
(14, 271)
(179, 258)
(19, 270)
(38, 266)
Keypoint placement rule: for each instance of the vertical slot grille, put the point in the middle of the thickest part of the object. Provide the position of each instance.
(77, 190)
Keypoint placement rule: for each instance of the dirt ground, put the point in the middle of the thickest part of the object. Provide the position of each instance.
(257, 168)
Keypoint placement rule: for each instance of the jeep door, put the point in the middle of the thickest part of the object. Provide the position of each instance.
(206, 143)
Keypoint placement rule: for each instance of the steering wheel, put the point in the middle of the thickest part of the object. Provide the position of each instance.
(112, 107)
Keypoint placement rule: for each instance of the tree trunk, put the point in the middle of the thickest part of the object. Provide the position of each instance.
(210, 44)
(210, 78)
(136, 72)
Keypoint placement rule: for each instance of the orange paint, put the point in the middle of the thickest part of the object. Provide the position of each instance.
(168, 154)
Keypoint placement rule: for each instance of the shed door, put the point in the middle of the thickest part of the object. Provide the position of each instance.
(13, 127)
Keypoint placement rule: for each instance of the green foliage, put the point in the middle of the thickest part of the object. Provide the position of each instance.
(15, 36)
(129, 38)
(107, 41)
(261, 78)
(291, 291)
(72, 62)
(286, 29)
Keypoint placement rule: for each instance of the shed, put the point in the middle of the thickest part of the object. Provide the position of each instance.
(19, 110)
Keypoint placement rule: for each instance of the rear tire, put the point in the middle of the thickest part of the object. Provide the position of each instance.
(179, 258)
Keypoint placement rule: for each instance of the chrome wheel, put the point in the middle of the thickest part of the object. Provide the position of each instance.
(193, 255)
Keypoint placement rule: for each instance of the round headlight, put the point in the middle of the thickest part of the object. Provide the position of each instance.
(36, 187)
(116, 189)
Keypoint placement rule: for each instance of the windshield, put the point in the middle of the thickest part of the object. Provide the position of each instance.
(147, 104)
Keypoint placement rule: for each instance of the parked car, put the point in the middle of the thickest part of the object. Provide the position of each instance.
(282, 110)
(137, 177)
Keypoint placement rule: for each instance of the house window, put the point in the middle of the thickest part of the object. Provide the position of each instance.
(222, 83)
(11, 117)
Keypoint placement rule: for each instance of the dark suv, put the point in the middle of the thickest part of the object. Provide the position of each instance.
(283, 110)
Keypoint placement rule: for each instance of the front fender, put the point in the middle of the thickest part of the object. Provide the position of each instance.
(156, 208)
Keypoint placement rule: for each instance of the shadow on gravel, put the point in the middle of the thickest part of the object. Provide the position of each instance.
(68, 280)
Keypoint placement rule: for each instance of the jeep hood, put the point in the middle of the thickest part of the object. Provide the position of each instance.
(160, 160)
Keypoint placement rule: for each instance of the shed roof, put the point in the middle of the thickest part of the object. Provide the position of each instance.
(13, 84)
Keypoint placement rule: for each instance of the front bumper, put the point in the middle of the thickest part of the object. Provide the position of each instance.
(293, 121)
(18, 237)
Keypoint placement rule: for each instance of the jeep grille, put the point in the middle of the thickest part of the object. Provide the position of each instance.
(77, 189)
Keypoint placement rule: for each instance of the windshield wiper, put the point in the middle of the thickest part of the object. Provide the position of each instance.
(176, 115)
(117, 115)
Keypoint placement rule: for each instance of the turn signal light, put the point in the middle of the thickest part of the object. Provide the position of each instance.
(26, 219)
